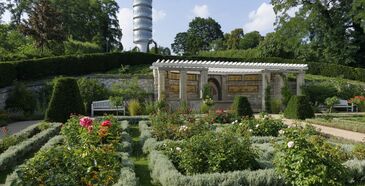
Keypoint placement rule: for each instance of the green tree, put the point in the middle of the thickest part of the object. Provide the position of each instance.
(201, 33)
(44, 25)
(250, 40)
(234, 39)
(180, 43)
(329, 30)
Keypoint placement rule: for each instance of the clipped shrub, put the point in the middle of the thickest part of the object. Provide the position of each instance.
(276, 106)
(134, 107)
(204, 108)
(299, 108)
(66, 100)
(78, 47)
(20, 99)
(241, 107)
(260, 127)
(8, 74)
(268, 108)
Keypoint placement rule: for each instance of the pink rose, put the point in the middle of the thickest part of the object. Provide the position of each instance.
(106, 123)
(90, 129)
(86, 122)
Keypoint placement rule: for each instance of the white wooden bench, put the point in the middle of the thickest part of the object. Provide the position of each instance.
(344, 104)
(105, 105)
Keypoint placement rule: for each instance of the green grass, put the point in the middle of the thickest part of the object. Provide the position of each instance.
(355, 123)
(140, 160)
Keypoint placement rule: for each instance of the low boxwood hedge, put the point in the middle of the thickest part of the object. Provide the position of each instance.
(89, 63)
(14, 154)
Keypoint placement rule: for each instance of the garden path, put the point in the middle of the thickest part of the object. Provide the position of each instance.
(350, 135)
(18, 126)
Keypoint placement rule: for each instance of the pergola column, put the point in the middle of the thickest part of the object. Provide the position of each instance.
(182, 89)
(300, 82)
(265, 83)
(203, 81)
(161, 77)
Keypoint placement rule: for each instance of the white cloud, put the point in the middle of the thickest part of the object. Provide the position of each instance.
(158, 15)
(201, 11)
(125, 17)
(262, 19)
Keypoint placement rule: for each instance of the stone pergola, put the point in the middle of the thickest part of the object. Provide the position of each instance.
(183, 80)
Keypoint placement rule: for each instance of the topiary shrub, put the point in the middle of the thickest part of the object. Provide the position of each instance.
(66, 100)
(241, 107)
(299, 108)
(21, 100)
(134, 107)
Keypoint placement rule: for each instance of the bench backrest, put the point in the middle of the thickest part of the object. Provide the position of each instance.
(104, 104)
(342, 103)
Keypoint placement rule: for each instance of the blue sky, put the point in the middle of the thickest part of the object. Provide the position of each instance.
(173, 16)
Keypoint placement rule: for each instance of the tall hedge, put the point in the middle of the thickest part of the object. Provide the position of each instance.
(299, 108)
(8, 74)
(241, 107)
(90, 63)
(65, 100)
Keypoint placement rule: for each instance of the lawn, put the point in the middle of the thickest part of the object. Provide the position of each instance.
(351, 123)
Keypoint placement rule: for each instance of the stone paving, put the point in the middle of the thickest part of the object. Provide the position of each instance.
(18, 126)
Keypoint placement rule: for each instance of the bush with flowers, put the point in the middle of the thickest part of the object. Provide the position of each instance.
(176, 126)
(259, 127)
(211, 153)
(220, 116)
(90, 155)
(306, 159)
(359, 101)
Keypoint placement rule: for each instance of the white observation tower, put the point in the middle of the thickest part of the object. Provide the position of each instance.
(142, 23)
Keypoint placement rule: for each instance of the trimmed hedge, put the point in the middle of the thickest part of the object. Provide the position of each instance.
(89, 63)
(242, 107)
(11, 157)
(299, 108)
(66, 100)
(8, 74)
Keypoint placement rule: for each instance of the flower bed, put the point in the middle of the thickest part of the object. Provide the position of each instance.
(92, 152)
(14, 154)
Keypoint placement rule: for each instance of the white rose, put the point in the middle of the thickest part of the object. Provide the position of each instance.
(291, 144)
(281, 131)
(257, 126)
(250, 130)
(178, 149)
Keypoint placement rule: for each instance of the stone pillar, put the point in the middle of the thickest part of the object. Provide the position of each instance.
(203, 81)
(265, 82)
(280, 84)
(161, 84)
(155, 84)
(300, 82)
(183, 80)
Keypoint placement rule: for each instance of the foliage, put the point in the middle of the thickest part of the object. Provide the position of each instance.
(78, 47)
(234, 39)
(259, 127)
(304, 159)
(268, 99)
(66, 100)
(91, 90)
(340, 123)
(241, 107)
(317, 93)
(129, 90)
(212, 152)
(206, 92)
(285, 92)
(330, 102)
(20, 99)
(250, 40)
(220, 116)
(276, 105)
(359, 101)
(175, 126)
(359, 151)
(95, 151)
(200, 34)
(299, 108)
(44, 25)
(204, 108)
(184, 108)
(134, 107)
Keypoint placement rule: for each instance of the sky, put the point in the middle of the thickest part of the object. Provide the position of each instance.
(173, 16)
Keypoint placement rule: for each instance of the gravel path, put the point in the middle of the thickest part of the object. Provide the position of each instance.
(346, 134)
(18, 126)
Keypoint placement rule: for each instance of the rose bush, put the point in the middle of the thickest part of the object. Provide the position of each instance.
(259, 127)
(220, 116)
(306, 159)
(90, 155)
(212, 152)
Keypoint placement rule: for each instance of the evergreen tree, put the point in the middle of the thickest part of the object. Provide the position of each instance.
(44, 25)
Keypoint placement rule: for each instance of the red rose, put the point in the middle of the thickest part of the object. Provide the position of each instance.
(106, 123)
